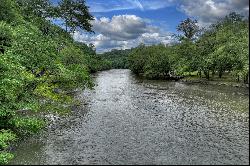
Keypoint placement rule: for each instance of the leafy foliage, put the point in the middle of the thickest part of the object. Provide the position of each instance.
(155, 61)
(5, 157)
(118, 59)
(9, 11)
(189, 28)
(6, 137)
(76, 14)
(38, 8)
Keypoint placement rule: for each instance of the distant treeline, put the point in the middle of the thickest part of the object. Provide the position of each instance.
(116, 59)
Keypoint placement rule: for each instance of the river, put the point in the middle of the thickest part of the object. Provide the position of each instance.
(129, 120)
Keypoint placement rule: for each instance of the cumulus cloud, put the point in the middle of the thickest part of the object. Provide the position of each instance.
(209, 11)
(121, 27)
(153, 38)
(122, 32)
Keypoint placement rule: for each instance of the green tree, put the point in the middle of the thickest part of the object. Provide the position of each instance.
(231, 49)
(159, 62)
(75, 14)
(137, 59)
(153, 62)
(39, 8)
(187, 55)
(9, 11)
(189, 27)
(205, 47)
(118, 58)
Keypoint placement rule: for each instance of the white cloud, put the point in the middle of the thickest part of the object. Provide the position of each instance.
(121, 27)
(153, 38)
(122, 32)
(209, 11)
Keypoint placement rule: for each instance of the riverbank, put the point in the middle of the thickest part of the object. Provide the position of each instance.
(214, 81)
(227, 80)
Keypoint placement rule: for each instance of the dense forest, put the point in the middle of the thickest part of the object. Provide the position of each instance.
(117, 59)
(39, 64)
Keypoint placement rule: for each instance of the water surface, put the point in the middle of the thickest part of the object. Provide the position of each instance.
(127, 120)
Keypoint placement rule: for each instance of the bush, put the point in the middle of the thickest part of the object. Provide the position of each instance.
(5, 157)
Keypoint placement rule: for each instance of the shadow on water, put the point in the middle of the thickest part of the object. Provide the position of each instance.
(128, 120)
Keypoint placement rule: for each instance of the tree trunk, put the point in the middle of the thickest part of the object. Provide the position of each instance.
(2, 50)
(199, 72)
(213, 73)
(246, 79)
(206, 74)
(66, 24)
(220, 74)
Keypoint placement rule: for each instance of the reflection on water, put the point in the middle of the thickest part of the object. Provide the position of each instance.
(127, 120)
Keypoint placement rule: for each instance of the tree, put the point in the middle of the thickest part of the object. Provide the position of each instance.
(224, 47)
(159, 63)
(205, 47)
(118, 58)
(189, 28)
(9, 11)
(75, 14)
(39, 8)
(231, 49)
(137, 59)
(153, 62)
(186, 49)
(233, 18)
(187, 54)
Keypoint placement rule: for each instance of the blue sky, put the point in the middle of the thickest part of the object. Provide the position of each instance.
(165, 14)
(122, 24)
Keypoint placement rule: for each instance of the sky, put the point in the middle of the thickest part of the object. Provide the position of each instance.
(122, 24)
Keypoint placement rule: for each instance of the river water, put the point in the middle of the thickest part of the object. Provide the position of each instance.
(128, 120)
